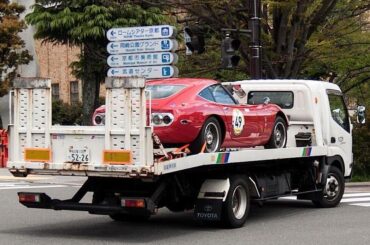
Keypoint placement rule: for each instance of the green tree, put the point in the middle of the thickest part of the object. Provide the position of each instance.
(293, 31)
(11, 45)
(84, 23)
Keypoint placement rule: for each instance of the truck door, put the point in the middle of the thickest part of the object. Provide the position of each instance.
(340, 125)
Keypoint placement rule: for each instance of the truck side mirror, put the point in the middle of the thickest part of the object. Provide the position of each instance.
(361, 115)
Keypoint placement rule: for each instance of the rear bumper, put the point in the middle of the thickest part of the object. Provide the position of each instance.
(47, 203)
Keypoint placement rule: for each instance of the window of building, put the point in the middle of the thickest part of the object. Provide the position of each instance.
(74, 92)
(55, 91)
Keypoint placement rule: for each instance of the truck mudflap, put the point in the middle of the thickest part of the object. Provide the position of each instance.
(210, 200)
(208, 209)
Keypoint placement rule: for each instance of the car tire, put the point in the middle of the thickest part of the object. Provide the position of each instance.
(278, 138)
(237, 204)
(333, 190)
(210, 134)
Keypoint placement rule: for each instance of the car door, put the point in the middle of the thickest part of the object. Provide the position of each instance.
(239, 119)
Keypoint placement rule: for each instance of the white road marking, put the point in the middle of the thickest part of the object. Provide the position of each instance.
(359, 199)
(365, 204)
(354, 199)
(361, 194)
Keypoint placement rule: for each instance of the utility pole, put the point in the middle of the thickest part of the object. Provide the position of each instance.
(255, 45)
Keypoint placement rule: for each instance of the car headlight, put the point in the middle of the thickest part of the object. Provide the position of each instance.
(157, 119)
(99, 119)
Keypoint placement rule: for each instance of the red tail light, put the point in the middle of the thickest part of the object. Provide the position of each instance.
(29, 197)
(133, 203)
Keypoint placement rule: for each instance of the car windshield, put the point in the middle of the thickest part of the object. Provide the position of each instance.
(164, 91)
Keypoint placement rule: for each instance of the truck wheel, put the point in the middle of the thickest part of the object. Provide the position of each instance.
(237, 204)
(278, 137)
(211, 135)
(129, 217)
(333, 190)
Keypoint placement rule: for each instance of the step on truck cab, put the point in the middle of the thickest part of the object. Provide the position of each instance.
(131, 179)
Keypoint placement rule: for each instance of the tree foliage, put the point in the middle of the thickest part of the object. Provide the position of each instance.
(298, 36)
(361, 146)
(11, 45)
(65, 114)
(84, 23)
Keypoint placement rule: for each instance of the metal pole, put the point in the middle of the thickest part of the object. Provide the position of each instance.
(255, 46)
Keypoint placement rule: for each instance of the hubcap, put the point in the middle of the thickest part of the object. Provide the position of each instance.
(279, 135)
(332, 187)
(212, 137)
(239, 202)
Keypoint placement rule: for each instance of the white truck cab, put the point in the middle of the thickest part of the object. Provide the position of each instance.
(314, 107)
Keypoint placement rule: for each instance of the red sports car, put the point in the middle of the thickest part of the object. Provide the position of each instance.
(202, 111)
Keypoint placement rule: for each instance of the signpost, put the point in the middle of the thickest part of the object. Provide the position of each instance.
(142, 59)
(150, 72)
(142, 46)
(145, 51)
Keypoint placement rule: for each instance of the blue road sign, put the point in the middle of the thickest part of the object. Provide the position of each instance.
(142, 59)
(149, 72)
(140, 33)
(142, 46)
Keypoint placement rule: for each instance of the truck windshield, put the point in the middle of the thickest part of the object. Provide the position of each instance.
(163, 91)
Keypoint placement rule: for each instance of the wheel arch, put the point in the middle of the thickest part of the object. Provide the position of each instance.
(222, 125)
(336, 161)
(283, 116)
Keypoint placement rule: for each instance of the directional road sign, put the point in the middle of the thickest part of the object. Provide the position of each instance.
(142, 46)
(149, 72)
(142, 59)
(140, 33)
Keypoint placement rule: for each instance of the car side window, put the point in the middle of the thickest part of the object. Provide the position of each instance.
(338, 110)
(220, 95)
(206, 94)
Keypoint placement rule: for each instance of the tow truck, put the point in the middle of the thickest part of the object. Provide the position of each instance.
(131, 175)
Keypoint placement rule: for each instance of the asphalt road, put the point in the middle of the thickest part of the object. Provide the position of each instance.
(277, 222)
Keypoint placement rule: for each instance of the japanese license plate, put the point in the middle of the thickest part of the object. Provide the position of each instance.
(78, 155)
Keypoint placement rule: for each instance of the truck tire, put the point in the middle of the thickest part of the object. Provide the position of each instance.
(211, 135)
(237, 204)
(278, 136)
(333, 190)
(129, 217)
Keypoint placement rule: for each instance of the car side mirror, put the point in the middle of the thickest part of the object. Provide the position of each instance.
(361, 114)
(266, 100)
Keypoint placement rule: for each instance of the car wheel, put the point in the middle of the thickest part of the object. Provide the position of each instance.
(237, 203)
(278, 137)
(332, 191)
(210, 135)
